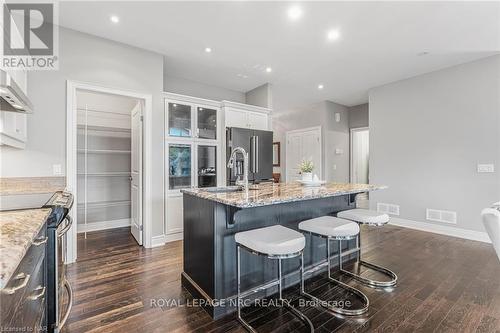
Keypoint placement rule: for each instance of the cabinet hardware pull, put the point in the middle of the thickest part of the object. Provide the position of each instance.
(38, 295)
(40, 241)
(21, 276)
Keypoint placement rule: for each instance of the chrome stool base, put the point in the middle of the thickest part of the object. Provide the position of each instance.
(278, 282)
(324, 304)
(380, 269)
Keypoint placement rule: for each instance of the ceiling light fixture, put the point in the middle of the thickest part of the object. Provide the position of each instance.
(320, 86)
(333, 34)
(269, 69)
(208, 50)
(294, 13)
(114, 19)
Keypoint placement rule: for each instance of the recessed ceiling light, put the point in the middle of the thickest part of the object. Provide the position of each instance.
(114, 19)
(294, 12)
(320, 86)
(333, 34)
(208, 50)
(269, 69)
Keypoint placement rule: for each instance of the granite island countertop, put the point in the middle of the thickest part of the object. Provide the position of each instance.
(31, 185)
(276, 193)
(18, 228)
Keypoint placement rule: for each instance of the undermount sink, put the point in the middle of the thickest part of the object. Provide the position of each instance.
(223, 189)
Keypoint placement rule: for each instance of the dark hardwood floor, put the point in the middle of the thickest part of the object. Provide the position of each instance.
(445, 284)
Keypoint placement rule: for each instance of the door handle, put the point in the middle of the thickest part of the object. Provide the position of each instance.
(256, 157)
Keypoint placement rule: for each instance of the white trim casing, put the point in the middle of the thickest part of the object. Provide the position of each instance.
(441, 229)
(71, 153)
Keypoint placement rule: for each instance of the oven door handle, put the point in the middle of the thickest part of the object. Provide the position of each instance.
(66, 228)
(70, 304)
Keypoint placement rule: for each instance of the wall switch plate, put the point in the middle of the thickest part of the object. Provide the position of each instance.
(335, 167)
(481, 168)
(57, 169)
(339, 151)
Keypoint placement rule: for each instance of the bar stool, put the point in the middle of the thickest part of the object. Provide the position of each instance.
(333, 228)
(368, 217)
(277, 243)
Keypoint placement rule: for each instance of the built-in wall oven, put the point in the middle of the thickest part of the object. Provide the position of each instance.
(59, 292)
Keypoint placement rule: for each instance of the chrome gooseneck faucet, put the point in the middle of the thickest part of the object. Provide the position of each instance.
(230, 164)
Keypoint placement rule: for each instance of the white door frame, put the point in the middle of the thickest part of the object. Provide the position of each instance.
(71, 155)
(307, 129)
(351, 159)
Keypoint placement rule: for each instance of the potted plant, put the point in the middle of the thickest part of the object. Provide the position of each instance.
(306, 167)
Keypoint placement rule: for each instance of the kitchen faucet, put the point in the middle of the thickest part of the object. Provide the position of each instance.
(230, 164)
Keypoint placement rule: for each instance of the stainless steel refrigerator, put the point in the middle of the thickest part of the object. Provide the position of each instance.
(258, 145)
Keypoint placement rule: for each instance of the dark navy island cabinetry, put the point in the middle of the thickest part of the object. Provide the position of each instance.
(213, 216)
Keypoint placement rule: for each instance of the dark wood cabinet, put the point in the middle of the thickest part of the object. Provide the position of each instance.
(23, 300)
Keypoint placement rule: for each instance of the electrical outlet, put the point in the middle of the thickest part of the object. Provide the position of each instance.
(485, 168)
(57, 169)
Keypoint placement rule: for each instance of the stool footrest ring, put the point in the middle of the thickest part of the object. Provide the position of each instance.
(370, 282)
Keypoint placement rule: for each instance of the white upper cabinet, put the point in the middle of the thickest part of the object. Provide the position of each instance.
(13, 129)
(257, 120)
(246, 116)
(236, 118)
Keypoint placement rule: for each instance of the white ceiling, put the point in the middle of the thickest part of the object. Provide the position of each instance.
(379, 41)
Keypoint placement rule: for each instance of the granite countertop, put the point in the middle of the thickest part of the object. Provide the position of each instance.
(18, 228)
(270, 194)
(31, 185)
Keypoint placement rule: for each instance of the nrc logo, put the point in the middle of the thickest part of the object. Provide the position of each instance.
(33, 23)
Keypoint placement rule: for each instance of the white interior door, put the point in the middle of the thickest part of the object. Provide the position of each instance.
(360, 156)
(303, 145)
(293, 157)
(136, 174)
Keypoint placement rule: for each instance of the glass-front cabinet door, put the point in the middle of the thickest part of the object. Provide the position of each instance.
(207, 165)
(179, 166)
(206, 126)
(179, 120)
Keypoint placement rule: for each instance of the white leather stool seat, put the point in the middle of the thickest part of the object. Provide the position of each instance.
(330, 226)
(364, 216)
(275, 240)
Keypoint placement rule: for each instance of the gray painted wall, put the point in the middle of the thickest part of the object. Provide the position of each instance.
(427, 135)
(260, 96)
(197, 89)
(335, 135)
(98, 61)
(359, 116)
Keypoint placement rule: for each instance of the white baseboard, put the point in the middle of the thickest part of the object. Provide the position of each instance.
(441, 229)
(158, 240)
(161, 240)
(103, 225)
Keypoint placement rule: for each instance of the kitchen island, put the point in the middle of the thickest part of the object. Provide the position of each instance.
(212, 217)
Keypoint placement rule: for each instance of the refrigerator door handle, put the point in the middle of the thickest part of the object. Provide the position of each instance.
(252, 154)
(256, 157)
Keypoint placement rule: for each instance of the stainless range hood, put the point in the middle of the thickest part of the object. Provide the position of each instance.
(12, 98)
